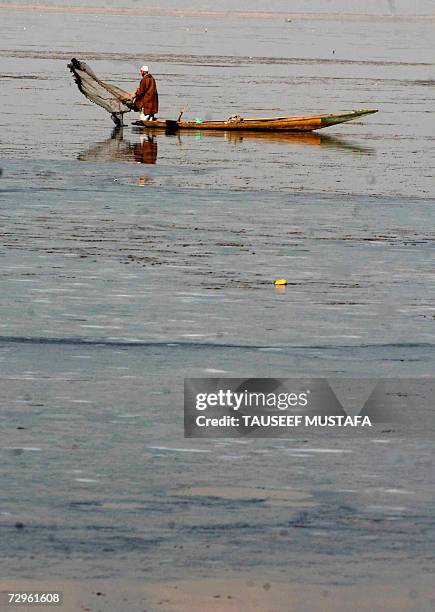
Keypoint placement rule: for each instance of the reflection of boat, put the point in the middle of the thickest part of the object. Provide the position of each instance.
(291, 138)
(116, 149)
(265, 124)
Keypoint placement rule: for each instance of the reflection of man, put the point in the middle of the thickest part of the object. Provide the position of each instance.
(145, 151)
(146, 98)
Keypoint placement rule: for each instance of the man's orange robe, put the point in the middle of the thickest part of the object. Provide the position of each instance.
(146, 96)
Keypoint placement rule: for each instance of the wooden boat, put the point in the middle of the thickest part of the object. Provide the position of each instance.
(306, 123)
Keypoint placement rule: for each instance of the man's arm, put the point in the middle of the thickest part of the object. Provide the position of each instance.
(142, 88)
(131, 97)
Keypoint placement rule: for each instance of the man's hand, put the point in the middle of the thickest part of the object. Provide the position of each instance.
(129, 100)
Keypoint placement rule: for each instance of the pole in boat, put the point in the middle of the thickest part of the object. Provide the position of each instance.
(182, 111)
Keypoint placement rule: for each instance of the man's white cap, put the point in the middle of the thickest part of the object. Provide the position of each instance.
(144, 68)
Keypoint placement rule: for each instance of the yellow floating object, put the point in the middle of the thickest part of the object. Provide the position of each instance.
(280, 281)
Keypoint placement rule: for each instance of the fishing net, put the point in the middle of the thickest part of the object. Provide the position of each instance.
(113, 99)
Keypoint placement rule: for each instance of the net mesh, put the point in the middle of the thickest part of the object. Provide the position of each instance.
(113, 99)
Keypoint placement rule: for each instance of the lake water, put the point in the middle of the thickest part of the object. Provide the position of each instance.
(131, 261)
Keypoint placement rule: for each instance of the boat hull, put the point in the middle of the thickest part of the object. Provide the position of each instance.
(262, 124)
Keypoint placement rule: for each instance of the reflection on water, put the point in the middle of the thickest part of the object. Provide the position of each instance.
(144, 181)
(293, 138)
(119, 149)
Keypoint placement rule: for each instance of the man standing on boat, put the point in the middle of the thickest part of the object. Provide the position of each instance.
(146, 98)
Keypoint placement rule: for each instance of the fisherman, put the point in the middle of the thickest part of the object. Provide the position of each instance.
(146, 98)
